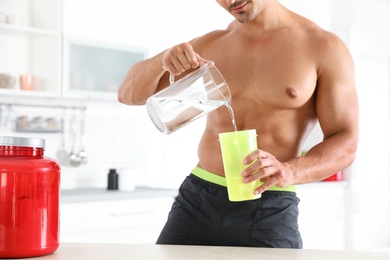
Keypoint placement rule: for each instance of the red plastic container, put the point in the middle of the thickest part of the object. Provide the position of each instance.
(29, 198)
(338, 176)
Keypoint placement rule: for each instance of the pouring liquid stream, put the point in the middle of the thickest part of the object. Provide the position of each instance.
(231, 112)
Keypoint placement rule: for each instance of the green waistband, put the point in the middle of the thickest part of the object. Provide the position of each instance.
(214, 178)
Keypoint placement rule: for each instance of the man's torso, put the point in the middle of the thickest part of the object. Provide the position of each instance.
(272, 79)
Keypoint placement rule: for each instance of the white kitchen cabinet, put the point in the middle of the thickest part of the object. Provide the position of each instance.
(102, 40)
(322, 216)
(126, 213)
(94, 69)
(30, 44)
(72, 222)
(70, 63)
(132, 221)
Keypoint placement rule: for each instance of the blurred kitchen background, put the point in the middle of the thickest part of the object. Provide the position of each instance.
(61, 62)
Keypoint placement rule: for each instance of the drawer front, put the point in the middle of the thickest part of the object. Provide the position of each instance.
(72, 218)
(127, 213)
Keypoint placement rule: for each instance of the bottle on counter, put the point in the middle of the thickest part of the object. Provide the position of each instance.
(112, 180)
(29, 198)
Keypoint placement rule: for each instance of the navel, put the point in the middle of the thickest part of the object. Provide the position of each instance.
(291, 92)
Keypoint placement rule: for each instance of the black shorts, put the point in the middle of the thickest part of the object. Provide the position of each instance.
(203, 215)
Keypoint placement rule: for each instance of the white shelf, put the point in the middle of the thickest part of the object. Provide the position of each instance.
(10, 28)
(28, 93)
(32, 45)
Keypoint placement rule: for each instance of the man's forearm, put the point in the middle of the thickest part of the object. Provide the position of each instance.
(333, 154)
(141, 82)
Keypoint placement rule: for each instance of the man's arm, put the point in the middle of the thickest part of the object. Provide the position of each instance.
(149, 76)
(338, 115)
(142, 81)
(337, 111)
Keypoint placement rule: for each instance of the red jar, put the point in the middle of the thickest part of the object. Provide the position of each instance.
(338, 176)
(29, 198)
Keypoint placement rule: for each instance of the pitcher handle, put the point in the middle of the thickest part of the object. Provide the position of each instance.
(202, 64)
(171, 79)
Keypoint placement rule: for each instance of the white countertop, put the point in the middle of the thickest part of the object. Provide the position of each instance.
(86, 251)
(101, 194)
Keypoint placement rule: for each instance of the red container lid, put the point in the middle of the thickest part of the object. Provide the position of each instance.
(22, 141)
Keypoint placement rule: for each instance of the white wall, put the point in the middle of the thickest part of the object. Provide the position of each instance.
(370, 43)
(364, 28)
(142, 23)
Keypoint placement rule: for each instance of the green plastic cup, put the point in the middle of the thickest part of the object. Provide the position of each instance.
(235, 146)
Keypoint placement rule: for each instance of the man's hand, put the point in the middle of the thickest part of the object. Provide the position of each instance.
(267, 169)
(181, 58)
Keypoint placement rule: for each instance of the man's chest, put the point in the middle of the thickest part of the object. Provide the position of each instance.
(281, 79)
(278, 69)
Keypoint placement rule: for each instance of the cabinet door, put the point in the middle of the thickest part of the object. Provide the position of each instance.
(120, 221)
(322, 216)
(95, 63)
(126, 221)
(72, 222)
(95, 69)
(105, 215)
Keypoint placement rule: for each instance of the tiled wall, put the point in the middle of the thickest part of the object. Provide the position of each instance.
(117, 136)
(110, 131)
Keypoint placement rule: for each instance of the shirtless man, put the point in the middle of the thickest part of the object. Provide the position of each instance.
(285, 75)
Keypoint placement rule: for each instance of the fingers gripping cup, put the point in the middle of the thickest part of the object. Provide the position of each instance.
(235, 146)
(188, 99)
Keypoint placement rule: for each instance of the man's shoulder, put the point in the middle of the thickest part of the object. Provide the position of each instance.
(209, 40)
(212, 35)
(314, 37)
(316, 34)
(324, 40)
